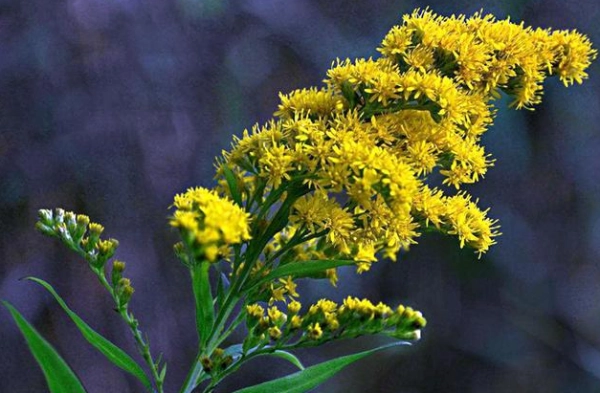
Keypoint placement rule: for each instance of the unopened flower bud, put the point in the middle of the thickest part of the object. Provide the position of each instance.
(70, 221)
(45, 216)
(83, 220)
(81, 223)
(274, 333)
(207, 364)
(227, 360)
(59, 215)
(217, 353)
(107, 248)
(296, 322)
(124, 291)
(117, 272)
(294, 307)
(95, 229)
(45, 229)
(61, 229)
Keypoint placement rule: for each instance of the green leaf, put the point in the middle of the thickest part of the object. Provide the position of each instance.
(289, 357)
(311, 377)
(299, 269)
(113, 353)
(232, 183)
(205, 313)
(59, 376)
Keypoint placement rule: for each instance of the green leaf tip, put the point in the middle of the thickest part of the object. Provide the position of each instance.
(59, 376)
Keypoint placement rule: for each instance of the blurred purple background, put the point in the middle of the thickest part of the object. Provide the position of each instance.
(110, 107)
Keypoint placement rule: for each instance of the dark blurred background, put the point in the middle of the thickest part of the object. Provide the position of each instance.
(110, 107)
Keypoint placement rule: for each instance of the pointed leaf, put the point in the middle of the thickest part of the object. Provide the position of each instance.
(289, 357)
(233, 185)
(205, 313)
(311, 377)
(113, 353)
(59, 376)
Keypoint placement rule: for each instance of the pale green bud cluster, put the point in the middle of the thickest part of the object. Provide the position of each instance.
(79, 234)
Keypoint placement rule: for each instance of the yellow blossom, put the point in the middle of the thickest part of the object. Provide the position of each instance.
(209, 221)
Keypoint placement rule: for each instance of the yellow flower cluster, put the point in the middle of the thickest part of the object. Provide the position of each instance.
(365, 144)
(482, 54)
(209, 223)
(326, 320)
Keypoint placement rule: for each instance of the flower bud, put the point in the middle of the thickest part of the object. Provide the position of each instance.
(274, 333)
(71, 222)
(45, 229)
(45, 216)
(124, 291)
(96, 229)
(227, 360)
(59, 215)
(106, 249)
(207, 364)
(79, 227)
(294, 307)
(117, 272)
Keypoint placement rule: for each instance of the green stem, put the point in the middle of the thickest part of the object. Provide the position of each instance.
(142, 345)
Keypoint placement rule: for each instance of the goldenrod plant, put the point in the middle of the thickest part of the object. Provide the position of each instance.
(339, 177)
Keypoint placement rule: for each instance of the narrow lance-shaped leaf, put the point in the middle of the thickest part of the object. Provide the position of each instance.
(232, 183)
(113, 353)
(311, 377)
(59, 376)
(290, 357)
(299, 269)
(205, 313)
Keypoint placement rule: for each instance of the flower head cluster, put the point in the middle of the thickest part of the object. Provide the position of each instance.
(326, 320)
(483, 54)
(365, 144)
(209, 223)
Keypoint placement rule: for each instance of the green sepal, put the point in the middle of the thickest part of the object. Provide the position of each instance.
(59, 376)
(113, 353)
(311, 377)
